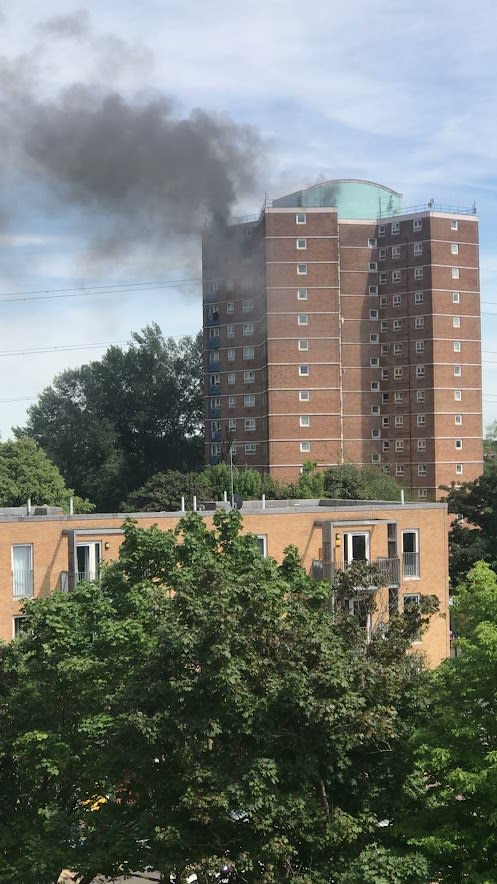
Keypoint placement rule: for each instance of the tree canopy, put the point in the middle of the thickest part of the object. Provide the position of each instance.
(203, 707)
(27, 473)
(111, 424)
(473, 533)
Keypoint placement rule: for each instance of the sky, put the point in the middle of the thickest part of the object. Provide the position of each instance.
(125, 125)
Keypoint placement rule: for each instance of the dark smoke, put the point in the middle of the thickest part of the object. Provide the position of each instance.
(134, 169)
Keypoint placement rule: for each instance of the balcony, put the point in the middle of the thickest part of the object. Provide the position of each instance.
(69, 579)
(214, 412)
(213, 317)
(214, 389)
(410, 565)
(22, 584)
(389, 570)
(214, 343)
(215, 435)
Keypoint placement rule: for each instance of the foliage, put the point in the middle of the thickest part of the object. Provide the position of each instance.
(472, 537)
(348, 482)
(452, 794)
(215, 710)
(112, 424)
(26, 472)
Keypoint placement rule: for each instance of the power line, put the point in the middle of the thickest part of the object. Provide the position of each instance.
(89, 291)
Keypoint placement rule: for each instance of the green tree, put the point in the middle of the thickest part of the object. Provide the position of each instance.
(216, 710)
(348, 482)
(452, 795)
(27, 472)
(113, 423)
(473, 532)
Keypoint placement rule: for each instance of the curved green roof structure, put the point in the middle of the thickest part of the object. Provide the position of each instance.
(351, 197)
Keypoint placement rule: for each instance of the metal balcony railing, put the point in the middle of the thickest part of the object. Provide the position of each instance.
(388, 568)
(22, 583)
(69, 579)
(410, 564)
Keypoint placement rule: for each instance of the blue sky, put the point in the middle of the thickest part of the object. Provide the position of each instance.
(403, 93)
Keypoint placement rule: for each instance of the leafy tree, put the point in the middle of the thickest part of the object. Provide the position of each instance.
(472, 537)
(113, 423)
(348, 482)
(452, 794)
(216, 711)
(26, 472)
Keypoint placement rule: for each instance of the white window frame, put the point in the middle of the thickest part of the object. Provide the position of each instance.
(305, 447)
(302, 294)
(230, 307)
(231, 355)
(22, 578)
(303, 371)
(396, 276)
(373, 315)
(419, 297)
(454, 248)
(456, 273)
(248, 329)
(304, 420)
(395, 228)
(230, 331)
(249, 425)
(456, 346)
(395, 252)
(301, 218)
(303, 319)
(250, 447)
(458, 420)
(249, 400)
(420, 371)
(231, 378)
(419, 322)
(304, 395)
(418, 249)
(303, 344)
(417, 224)
(456, 297)
(420, 346)
(249, 377)
(301, 244)
(301, 269)
(457, 395)
(454, 224)
(372, 242)
(456, 322)
(418, 272)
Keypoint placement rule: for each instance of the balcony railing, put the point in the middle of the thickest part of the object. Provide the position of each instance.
(22, 584)
(214, 343)
(388, 568)
(69, 579)
(410, 564)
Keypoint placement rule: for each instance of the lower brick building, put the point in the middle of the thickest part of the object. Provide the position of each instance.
(408, 543)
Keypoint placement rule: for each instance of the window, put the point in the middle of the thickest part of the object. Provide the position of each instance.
(231, 401)
(417, 224)
(230, 331)
(420, 371)
(458, 395)
(419, 297)
(399, 469)
(456, 345)
(455, 273)
(410, 557)
(302, 269)
(397, 300)
(422, 492)
(454, 248)
(456, 322)
(395, 251)
(302, 294)
(214, 332)
(418, 248)
(384, 325)
(22, 570)
(420, 346)
(385, 397)
(382, 254)
(383, 301)
(397, 348)
(421, 445)
(373, 289)
(375, 434)
(231, 355)
(398, 398)
(385, 421)
(459, 469)
(384, 349)
(456, 297)
(230, 307)
(373, 314)
(419, 322)
(249, 400)
(232, 423)
(421, 469)
(372, 242)
(213, 358)
(420, 420)
(458, 419)
(19, 624)
(248, 352)
(381, 230)
(399, 420)
(301, 243)
(383, 278)
(384, 374)
(375, 409)
(374, 362)
(303, 319)
(372, 266)
(250, 448)
(248, 377)
(215, 426)
(458, 444)
(397, 324)
(374, 338)
(215, 450)
(305, 420)
(396, 276)
(88, 557)
(231, 377)
(397, 373)
(303, 344)
(305, 446)
(375, 457)
(375, 386)
(247, 306)
(399, 444)
(249, 424)
(395, 228)
(303, 370)
(453, 224)
(304, 396)
(386, 445)
(300, 218)
(418, 273)
(420, 395)
(248, 328)
(457, 371)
